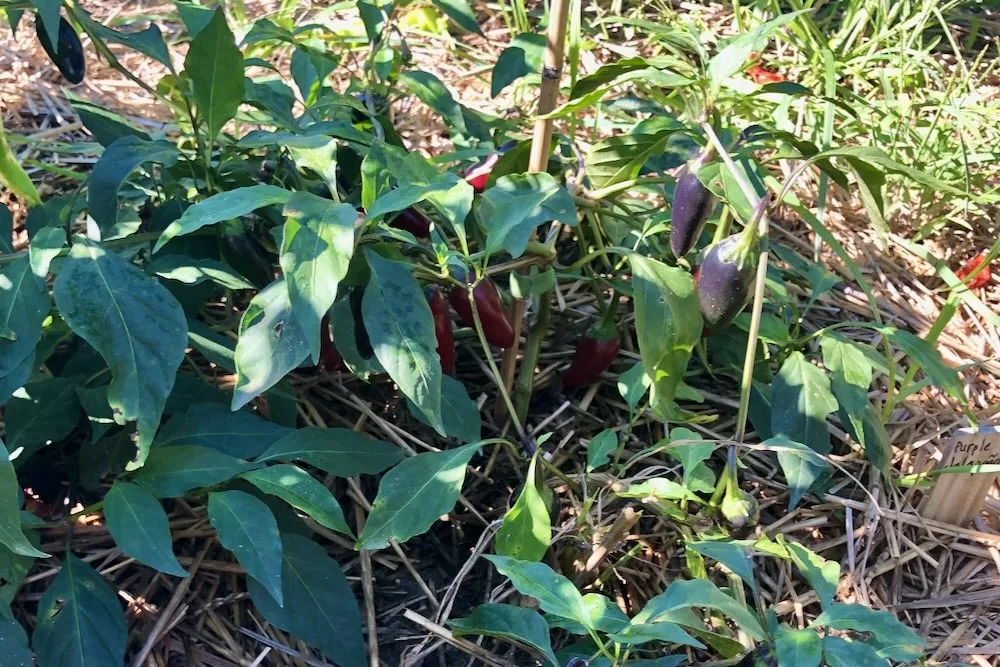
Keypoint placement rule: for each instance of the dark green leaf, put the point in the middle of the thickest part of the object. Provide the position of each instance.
(106, 125)
(663, 631)
(873, 436)
(214, 65)
(517, 624)
(620, 158)
(461, 13)
(512, 209)
(522, 58)
(247, 528)
(898, 641)
(527, 529)
(459, 412)
(600, 448)
(133, 322)
(839, 652)
(300, 490)
(802, 465)
(801, 401)
(274, 98)
(309, 70)
(681, 595)
(107, 455)
(223, 206)
(692, 451)
(801, 648)
(555, 593)
(45, 247)
(850, 377)
(320, 607)
(316, 249)
(929, 359)
(265, 30)
(115, 165)
(41, 412)
(633, 385)
(80, 621)
(877, 157)
(170, 472)
(14, 649)
(668, 324)
(191, 271)
(271, 344)
(734, 556)
(148, 42)
(604, 615)
(139, 526)
(48, 12)
(14, 568)
(218, 349)
(338, 451)
(11, 535)
(241, 434)
(434, 94)
(399, 323)
(823, 575)
(415, 494)
(195, 17)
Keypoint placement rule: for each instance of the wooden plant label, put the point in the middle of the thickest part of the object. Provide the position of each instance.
(958, 497)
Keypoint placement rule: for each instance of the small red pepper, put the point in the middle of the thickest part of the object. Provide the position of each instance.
(413, 221)
(329, 358)
(442, 330)
(763, 76)
(492, 315)
(594, 355)
(478, 175)
(982, 278)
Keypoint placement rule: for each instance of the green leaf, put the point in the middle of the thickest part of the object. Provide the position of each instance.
(434, 94)
(274, 98)
(459, 412)
(522, 58)
(734, 556)
(41, 412)
(929, 359)
(24, 304)
(505, 621)
(802, 465)
(247, 528)
(801, 648)
(599, 86)
(271, 344)
(850, 377)
(872, 435)
(604, 615)
(877, 157)
(898, 641)
(338, 451)
(659, 488)
(512, 209)
(620, 158)
(113, 168)
(692, 451)
(461, 13)
(316, 249)
(241, 434)
(555, 593)
(633, 385)
(80, 621)
(192, 271)
(11, 535)
(663, 631)
(170, 472)
(45, 247)
(300, 490)
(801, 400)
(195, 17)
(527, 529)
(668, 325)
(12, 174)
(401, 329)
(736, 53)
(320, 607)
(48, 13)
(139, 526)
(214, 65)
(681, 595)
(135, 324)
(14, 569)
(600, 448)
(310, 68)
(223, 206)
(414, 494)
(14, 649)
(839, 652)
(823, 575)
(148, 42)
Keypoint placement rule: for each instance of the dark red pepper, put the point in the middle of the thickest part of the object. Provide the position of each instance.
(478, 175)
(594, 355)
(413, 221)
(442, 330)
(329, 358)
(691, 207)
(982, 278)
(492, 315)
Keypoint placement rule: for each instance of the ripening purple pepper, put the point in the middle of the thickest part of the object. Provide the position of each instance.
(691, 207)
(724, 282)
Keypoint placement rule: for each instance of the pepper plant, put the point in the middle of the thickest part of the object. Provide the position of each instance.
(285, 231)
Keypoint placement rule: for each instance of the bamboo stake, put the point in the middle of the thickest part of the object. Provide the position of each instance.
(541, 144)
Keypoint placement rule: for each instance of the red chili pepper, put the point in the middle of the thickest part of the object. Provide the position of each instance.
(763, 76)
(496, 326)
(413, 221)
(594, 355)
(329, 358)
(478, 175)
(442, 330)
(970, 265)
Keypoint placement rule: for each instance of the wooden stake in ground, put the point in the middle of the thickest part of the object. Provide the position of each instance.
(541, 144)
(958, 497)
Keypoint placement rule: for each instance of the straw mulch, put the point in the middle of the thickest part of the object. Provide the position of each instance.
(940, 579)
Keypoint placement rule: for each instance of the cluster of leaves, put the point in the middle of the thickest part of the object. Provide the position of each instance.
(183, 237)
